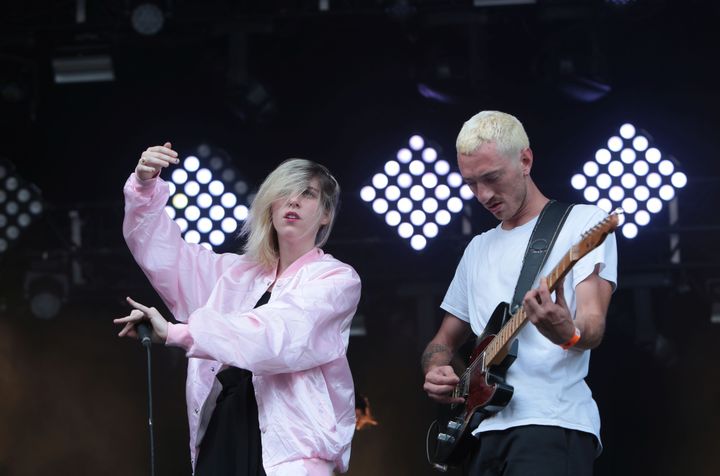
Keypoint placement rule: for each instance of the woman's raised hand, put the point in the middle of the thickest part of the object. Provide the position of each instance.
(154, 159)
(143, 313)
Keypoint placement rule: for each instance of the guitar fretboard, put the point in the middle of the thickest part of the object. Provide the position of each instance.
(518, 320)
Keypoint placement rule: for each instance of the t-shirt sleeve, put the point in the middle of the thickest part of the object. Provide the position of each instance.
(456, 298)
(605, 256)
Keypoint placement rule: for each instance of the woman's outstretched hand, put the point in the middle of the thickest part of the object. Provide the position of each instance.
(143, 313)
(154, 159)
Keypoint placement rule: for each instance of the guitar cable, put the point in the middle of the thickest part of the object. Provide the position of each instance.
(437, 466)
(427, 442)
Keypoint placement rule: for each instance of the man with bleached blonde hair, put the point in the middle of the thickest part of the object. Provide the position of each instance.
(551, 425)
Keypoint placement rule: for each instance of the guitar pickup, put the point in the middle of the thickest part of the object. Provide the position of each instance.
(445, 438)
(453, 425)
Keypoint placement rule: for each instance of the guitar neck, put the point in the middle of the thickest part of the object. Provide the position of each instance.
(513, 326)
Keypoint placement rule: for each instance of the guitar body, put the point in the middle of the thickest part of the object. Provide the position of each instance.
(485, 393)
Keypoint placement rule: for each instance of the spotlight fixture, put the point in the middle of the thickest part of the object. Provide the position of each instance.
(417, 192)
(208, 198)
(147, 19)
(83, 69)
(46, 285)
(630, 172)
(46, 294)
(20, 204)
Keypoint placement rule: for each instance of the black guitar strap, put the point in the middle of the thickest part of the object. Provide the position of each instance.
(543, 237)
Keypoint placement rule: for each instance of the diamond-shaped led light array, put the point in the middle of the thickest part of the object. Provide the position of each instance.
(20, 204)
(630, 173)
(208, 198)
(417, 192)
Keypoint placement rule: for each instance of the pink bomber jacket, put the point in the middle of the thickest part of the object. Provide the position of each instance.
(295, 345)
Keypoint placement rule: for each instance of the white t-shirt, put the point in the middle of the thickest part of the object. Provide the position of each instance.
(549, 382)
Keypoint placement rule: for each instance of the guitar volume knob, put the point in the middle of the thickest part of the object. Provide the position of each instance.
(453, 425)
(445, 438)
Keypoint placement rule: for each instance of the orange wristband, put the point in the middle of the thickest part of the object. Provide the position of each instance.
(572, 341)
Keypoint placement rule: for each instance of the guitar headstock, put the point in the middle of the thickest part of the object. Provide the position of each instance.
(594, 237)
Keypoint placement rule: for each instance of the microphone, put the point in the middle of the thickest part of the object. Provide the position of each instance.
(144, 332)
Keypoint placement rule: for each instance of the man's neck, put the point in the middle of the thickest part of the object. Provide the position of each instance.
(531, 207)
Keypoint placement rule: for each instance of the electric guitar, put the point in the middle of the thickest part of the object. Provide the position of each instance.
(483, 384)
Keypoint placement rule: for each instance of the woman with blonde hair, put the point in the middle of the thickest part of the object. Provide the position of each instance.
(269, 389)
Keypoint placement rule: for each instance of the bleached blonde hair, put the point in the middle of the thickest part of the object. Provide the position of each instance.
(290, 179)
(485, 127)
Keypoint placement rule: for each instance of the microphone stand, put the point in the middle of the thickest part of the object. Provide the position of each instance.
(145, 334)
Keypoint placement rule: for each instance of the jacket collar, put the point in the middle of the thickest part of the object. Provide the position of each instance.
(313, 255)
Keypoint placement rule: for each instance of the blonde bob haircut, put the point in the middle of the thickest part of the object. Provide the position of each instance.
(485, 127)
(290, 179)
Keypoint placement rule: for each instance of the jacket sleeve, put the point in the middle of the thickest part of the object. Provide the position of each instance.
(303, 328)
(183, 274)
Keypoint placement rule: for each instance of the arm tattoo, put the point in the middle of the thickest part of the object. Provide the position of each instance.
(431, 351)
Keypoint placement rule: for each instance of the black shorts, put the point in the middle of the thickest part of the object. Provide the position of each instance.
(533, 450)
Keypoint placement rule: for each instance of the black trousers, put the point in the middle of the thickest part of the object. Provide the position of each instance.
(533, 450)
(231, 445)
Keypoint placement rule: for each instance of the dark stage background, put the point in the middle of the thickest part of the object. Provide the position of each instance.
(343, 86)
